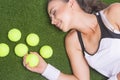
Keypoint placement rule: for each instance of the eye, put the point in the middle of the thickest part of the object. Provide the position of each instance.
(54, 12)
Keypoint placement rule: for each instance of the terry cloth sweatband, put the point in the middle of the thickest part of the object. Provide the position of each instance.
(51, 73)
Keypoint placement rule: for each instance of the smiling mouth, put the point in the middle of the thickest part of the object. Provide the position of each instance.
(58, 25)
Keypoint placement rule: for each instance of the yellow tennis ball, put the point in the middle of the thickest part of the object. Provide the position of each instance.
(46, 51)
(21, 49)
(4, 49)
(14, 35)
(32, 60)
(32, 39)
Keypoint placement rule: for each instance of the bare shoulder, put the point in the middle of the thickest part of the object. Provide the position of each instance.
(113, 9)
(71, 36)
(72, 40)
(113, 13)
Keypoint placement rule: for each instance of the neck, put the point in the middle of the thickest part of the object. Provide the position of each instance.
(85, 23)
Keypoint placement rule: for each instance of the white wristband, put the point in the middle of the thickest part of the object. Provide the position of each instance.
(51, 73)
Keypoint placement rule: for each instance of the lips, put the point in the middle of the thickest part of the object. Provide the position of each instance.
(58, 25)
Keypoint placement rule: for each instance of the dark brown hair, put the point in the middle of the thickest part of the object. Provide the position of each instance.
(89, 6)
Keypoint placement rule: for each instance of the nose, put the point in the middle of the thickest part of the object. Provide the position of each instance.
(53, 21)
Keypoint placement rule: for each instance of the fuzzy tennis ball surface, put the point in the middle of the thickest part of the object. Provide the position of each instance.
(21, 49)
(46, 51)
(32, 60)
(4, 49)
(14, 35)
(32, 39)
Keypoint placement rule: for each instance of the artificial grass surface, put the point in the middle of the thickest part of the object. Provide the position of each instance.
(30, 16)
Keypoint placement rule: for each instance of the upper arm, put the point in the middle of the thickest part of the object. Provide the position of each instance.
(79, 65)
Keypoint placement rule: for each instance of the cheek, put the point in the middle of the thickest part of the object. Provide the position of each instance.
(64, 14)
(66, 19)
(66, 23)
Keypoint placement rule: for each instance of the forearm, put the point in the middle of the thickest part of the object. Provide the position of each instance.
(52, 73)
(63, 76)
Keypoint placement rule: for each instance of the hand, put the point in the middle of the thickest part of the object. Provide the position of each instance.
(118, 76)
(39, 68)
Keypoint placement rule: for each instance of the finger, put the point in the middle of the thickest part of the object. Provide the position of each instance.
(24, 60)
(35, 53)
(30, 68)
(27, 66)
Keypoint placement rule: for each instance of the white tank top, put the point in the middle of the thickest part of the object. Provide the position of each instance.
(107, 58)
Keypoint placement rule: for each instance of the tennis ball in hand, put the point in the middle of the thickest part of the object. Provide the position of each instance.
(14, 35)
(32, 39)
(32, 60)
(4, 49)
(21, 49)
(46, 51)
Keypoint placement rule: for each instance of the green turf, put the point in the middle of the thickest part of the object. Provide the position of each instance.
(110, 1)
(31, 16)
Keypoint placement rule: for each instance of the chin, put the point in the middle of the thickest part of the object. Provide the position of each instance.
(65, 30)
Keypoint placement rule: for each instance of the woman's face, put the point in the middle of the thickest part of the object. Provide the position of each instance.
(60, 14)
